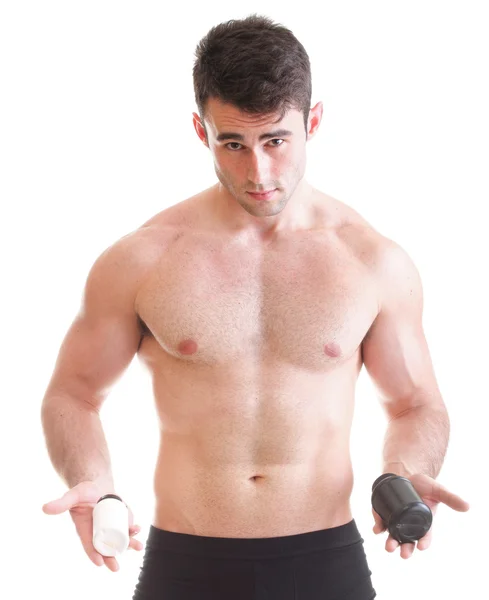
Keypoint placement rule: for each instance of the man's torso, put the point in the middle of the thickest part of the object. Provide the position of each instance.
(254, 352)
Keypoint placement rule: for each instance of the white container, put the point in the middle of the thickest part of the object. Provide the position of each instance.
(110, 525)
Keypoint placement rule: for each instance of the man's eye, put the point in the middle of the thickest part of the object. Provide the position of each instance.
(236, 144)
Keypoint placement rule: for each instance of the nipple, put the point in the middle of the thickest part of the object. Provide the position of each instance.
(187, 347)
(332, 349)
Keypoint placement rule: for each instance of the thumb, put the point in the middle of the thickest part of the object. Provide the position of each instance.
(80, 494)
(379, 526)
(56, 507)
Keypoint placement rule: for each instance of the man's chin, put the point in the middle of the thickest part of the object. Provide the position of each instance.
(262, 209)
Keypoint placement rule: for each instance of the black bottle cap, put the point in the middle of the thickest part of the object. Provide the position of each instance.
(381, 478)
(109, 496)
(412, 524)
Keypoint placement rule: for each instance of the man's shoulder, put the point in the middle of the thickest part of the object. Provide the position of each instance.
(149, 239)
(380, 253)
(178, 216)
(358, 234)
(375, 250)
(138, 251)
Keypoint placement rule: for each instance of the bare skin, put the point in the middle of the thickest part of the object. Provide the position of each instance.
(254, 349)
(253, 319)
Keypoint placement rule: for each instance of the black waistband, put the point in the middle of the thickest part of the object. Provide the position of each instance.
(289, 545)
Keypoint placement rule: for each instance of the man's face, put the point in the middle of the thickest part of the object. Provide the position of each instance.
(247, 162)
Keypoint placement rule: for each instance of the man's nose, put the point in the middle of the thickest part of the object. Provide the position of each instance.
(259, 169)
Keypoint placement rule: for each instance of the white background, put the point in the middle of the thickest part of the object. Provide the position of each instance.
(96, 136)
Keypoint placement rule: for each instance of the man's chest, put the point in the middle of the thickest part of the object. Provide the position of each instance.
(307, 302)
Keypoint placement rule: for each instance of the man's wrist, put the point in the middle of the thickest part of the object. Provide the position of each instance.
(105, 486)
(398, 468)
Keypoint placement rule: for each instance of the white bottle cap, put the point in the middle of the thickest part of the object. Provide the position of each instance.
(110, 525)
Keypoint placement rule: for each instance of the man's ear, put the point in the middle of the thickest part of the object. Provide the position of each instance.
(314, 120)
(200, 129)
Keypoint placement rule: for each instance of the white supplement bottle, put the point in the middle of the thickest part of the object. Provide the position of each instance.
(110, 525)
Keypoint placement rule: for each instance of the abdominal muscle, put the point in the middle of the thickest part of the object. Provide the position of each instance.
(216, 485)
(282, 500)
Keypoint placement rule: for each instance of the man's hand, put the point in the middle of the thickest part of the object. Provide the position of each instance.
(431, 493)
(80, 501)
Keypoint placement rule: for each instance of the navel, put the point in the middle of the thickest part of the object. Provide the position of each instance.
(187, 347)
(332, 349)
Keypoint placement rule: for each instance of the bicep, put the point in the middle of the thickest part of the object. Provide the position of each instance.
(395, 351)
(105, 334)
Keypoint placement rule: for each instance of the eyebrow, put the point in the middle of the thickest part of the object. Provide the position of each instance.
(230, 135)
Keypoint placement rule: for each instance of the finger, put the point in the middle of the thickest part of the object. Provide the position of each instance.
(135, 544)
(89, 548)
(96, 558)
(378, 528)
(84, 528)
(111, 563)
(379, 523)
(75, 496)
(56, 507)
(452, 500)
(439, 493)
(391, 544)
(377, 517)
(457, 503)
(90, 551)
(407, 550)
(425, 542)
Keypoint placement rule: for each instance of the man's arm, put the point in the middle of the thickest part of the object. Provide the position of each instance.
(96, 350)
(397, 358)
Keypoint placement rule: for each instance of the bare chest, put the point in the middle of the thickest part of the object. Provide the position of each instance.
(306, 301)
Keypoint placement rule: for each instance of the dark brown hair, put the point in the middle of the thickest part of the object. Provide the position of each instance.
(254, 64)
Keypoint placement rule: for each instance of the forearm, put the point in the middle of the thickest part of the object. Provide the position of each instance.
(76, 442)
(416, 442)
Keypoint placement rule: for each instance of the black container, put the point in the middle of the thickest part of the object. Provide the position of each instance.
(405, 515)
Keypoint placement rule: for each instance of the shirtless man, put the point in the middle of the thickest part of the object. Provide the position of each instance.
(253, 315)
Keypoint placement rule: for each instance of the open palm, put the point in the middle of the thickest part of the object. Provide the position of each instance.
(80, 502)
